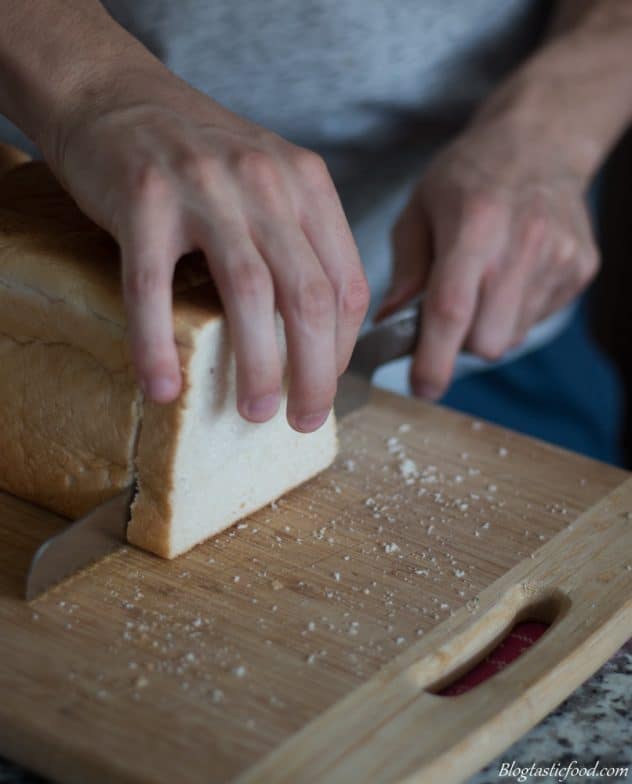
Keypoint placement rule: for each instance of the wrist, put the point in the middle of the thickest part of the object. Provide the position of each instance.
(116, 85)
(526, 118)
(81, 65)
(566, 102)
(533, 115)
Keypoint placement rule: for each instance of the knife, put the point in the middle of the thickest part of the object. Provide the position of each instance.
(390, 339)
(103, 530)
(97, 534)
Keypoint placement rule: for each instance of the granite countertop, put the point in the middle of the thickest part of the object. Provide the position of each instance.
(593, 725)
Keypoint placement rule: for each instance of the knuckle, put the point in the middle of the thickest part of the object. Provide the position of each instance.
(258, 170)
(451, 305)
(537, 228)
(311, 167)
(355, 298)
(567, 248)
(248, 280)
(201, 169)
(488, 347)
(482, 211)
(588, 267)
(147, 181)
(558, 262)
(314, 302)
(142, 281)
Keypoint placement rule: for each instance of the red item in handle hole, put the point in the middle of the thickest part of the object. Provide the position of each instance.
(520, 639)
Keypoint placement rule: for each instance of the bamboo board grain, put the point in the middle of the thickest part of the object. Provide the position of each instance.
(141, 670)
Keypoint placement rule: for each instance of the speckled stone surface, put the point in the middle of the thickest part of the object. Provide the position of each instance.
(593, 724)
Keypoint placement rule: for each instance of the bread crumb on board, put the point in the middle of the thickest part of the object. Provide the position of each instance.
(410, 555)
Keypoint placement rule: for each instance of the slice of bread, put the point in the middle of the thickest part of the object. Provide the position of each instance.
(75, 429)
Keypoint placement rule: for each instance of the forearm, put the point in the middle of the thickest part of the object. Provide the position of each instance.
(56, 57)
(575, 93)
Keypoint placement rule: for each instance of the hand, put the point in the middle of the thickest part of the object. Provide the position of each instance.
(498, 234)
(173, 172)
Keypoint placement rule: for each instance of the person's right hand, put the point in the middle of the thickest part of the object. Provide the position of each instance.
(175, 172)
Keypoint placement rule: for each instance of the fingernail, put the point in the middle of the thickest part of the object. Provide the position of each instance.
(162, 389)
(310, 422)
(259, 409)
(427, 391)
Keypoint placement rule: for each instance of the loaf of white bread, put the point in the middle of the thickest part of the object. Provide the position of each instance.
(75, 428)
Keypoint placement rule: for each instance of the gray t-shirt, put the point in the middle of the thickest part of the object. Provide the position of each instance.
(373, 86)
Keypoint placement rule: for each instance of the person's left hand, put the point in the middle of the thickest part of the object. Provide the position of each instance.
(498, 235)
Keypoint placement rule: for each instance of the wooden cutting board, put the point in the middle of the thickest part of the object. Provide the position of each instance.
(305, 644)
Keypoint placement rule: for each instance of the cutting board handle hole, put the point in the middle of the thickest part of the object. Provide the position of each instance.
(524, 630)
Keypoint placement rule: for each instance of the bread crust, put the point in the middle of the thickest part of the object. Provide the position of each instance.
(70, 408)
(62, 328)
(76, 430)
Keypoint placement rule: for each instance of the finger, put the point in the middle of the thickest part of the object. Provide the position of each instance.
(468, 238)
(306, 301)
(446, 316)
(560, 296)
(497, 314)
(568, 268)
(246, 290)
(543, 290)
(584, 251)
(555, 296)
(534, 309)
(411, 251)
(322, 219)
(149, 251)
(506, 288)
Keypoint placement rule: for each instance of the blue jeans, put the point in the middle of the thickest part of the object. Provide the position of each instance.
(567, 392)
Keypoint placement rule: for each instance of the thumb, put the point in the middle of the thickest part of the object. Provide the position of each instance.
(411, 254)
